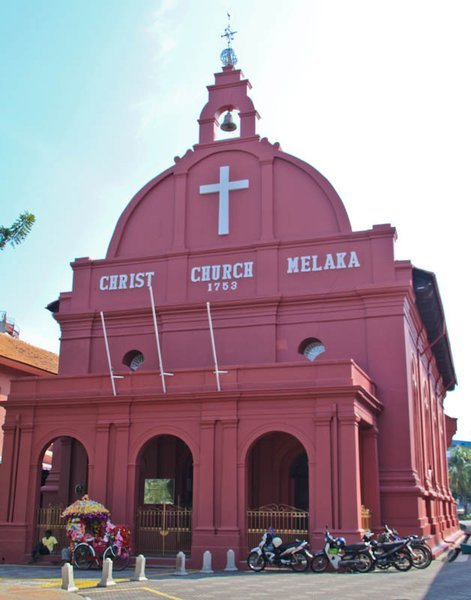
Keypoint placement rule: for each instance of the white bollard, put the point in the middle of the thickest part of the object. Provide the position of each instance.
(230, 564)
(107, 574)
(180, 568)
(68, 583)
(139, 570)
(207, 563)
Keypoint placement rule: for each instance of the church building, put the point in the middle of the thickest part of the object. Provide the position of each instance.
(240, 359)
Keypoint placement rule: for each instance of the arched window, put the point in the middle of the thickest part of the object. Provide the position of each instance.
(310, 348)
(133, 359)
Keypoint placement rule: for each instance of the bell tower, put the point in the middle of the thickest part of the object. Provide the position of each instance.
(229, 93)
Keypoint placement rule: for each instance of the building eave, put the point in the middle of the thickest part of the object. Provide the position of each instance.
(431, 312)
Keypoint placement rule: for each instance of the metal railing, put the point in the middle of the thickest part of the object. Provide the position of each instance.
(163, 531)
(50, 518)
(365, 518)
(289, 523)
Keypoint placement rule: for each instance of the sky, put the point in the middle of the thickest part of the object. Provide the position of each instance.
(97, 98)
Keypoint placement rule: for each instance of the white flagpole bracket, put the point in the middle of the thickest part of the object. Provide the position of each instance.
(112, 375)
(163, 373)
(217, 371)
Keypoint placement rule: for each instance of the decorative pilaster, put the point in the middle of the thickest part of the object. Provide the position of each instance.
(370, 474)
(228, 515)
(120, 451)
(321, 488)
(349, 472)
(98, 465)
(205, 500)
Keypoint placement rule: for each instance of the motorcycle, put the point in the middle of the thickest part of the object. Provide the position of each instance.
(272, 551)
(336, 552)
(421, 551)
(386, 554)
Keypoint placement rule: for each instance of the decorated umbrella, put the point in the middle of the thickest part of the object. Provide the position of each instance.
(86, 508)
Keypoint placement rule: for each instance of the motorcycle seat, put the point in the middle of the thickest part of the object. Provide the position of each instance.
(392, 545)
(354, 547)
(284, 547)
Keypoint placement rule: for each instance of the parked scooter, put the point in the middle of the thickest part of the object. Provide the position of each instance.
(272, 551)
(386, 554)
(421, 551)
(336, 552)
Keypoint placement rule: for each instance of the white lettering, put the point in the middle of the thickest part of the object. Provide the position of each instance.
(195, 274)
(354, 262)
(238, 274)
(205, 273)
(329, 262)
(293, 265)
(125, 281)
(139, 280)
(340, 260)
(305, 266)
(248, 269)
(227, 271)
(215, 272)
(314, 264)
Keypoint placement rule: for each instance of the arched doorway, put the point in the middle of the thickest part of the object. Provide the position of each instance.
(64, 479)
(277, 487)
(164, 496)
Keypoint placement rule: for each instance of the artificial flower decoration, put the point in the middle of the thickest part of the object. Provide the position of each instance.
(87, 508)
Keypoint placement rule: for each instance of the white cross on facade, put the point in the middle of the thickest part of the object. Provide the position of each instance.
(223, 187)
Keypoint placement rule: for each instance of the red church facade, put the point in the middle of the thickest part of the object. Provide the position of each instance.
(332, 364)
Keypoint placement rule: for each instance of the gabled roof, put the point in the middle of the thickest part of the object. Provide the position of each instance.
(431, 311)
(16, 351)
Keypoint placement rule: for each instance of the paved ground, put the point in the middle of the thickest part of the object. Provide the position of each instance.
(441, 581)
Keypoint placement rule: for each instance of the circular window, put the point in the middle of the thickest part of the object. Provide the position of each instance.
(133, 359)
(310, 348)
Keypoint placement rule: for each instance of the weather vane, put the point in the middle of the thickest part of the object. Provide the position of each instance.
(228, 56)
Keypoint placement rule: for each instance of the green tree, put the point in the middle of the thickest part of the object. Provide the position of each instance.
(18, 231)
(459, 470)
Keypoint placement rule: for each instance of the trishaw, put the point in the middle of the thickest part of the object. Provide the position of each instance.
(93, 537)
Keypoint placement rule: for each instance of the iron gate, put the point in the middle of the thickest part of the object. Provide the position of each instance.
(163, 531)
(50, 518)
(290, 523)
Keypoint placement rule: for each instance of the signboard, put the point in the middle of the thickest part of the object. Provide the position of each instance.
(159, 491)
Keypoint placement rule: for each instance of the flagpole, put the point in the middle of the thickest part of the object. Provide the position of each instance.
(156, 329)
(108, 353)
(213, 344)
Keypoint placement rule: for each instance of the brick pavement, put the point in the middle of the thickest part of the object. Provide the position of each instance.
(440, 581)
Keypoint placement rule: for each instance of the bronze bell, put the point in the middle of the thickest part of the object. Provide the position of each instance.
(228, 124)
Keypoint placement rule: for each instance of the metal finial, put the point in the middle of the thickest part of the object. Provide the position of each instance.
(228, 56)
(228, 33)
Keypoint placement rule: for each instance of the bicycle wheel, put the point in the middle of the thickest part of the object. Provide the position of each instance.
(83, 556)
(119, 557)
